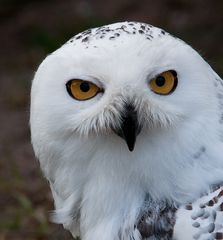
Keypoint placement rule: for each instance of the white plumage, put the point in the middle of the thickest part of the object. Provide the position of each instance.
(101, 189)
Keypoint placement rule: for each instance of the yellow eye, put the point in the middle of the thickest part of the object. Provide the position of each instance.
(82, 90)
(165, 83)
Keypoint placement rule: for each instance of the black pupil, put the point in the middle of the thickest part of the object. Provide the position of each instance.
(160, 81)
(84, 87)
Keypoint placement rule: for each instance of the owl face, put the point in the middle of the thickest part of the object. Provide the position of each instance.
(121, 80)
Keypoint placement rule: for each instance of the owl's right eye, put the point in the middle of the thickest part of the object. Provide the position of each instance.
(82, 90)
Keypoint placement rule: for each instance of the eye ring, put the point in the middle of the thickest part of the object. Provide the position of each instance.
(164, 83)
(82, 90)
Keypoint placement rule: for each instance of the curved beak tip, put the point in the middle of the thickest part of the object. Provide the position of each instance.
(131, 148)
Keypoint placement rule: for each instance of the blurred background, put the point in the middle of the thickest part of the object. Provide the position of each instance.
(31, 29)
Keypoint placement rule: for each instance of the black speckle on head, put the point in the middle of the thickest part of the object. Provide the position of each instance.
(78, 36)
(112, 33)
(87, 32)
(85, 39)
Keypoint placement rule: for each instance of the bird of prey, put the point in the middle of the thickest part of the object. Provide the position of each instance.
(127, 123)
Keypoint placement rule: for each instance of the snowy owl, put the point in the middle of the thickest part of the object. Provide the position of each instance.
(127, 123)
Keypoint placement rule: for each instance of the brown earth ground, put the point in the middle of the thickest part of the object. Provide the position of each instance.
(32, 29)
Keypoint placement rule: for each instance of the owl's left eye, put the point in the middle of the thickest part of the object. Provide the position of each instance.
(165, 83)
(82, 90)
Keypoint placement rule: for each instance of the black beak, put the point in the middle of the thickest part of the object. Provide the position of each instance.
(130, 127)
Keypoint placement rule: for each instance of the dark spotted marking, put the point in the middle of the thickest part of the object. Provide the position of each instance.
(157, 221)
(218, 235)
(196, 224)
(220, 194)
(214, 215)
(220, 207)
(210, 203)
(215, 199)
(188, 207)
(211, 227)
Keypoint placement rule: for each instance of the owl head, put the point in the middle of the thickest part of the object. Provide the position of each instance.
(127, 92)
